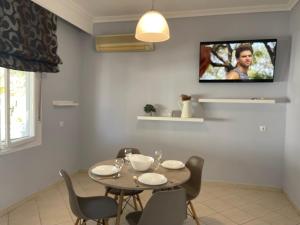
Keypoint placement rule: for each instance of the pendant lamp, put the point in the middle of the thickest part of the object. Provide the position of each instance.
(152, 27)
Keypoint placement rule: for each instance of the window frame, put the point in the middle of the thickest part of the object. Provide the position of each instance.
(15, 145)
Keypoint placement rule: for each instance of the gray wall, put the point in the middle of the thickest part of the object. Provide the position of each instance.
(292, 149)
(116, 86)
(25, 172)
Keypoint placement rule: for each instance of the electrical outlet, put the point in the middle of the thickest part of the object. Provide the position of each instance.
(262, 128)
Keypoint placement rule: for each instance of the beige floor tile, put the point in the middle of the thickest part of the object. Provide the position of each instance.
(235, 200)
(190, 221)
(203, 210)
(257, 222)
(205, 197)
(274, 204)
(27, 214)
(250, 198)
(219, 192)
(238, 216)
(218, 205)
(290, 212)
(216, 219)
(278, 219)
(254, 210)
(54, 215)
(4, 220)
(66, 223)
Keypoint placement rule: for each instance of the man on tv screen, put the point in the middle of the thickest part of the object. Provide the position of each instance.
(243, 55)
(237, 61)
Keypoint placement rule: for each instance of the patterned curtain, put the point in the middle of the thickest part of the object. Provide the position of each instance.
(28, 40)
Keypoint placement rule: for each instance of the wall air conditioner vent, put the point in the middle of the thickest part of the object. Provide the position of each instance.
(122, 43)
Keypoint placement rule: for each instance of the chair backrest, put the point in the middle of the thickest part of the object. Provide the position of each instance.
(121, 153)
(73, 198)
(166, 207)
(195, 165)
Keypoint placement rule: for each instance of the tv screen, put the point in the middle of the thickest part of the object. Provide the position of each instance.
(237, 61)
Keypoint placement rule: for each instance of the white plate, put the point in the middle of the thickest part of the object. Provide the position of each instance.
(105, 170)
(173, 164)
(152, 179)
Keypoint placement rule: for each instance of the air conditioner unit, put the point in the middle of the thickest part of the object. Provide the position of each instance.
(122, 43)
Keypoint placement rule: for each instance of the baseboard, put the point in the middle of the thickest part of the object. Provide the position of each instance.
(242, 185)
(293, 204)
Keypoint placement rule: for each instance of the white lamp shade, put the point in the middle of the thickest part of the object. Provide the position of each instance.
(152, 27)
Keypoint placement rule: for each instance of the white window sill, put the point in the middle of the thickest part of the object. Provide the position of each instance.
(25, 144)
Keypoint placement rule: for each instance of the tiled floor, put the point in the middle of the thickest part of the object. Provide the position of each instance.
(216, 205)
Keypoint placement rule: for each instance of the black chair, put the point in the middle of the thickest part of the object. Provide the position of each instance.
(97, 208)
(193, 185)
(166, 207)
(127, 193)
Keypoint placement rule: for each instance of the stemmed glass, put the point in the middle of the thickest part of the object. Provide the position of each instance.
(128, 153)
(157, 159)
(119, 163)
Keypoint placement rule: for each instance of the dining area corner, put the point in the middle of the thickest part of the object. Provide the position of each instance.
(172, 185)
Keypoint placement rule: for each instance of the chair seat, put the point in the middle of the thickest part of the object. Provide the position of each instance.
(116, 191)
(133, 218)
(190, 192)
(98, 207)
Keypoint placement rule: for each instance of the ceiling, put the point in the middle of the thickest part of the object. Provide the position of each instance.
(84, 13)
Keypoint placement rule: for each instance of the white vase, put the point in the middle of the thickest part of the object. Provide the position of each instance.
(186, 109)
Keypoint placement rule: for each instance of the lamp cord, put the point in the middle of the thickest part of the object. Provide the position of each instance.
(152, 7)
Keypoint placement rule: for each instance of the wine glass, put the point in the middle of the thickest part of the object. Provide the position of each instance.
(157, 159)
(119, 163)
(158, 155)
(128, 153)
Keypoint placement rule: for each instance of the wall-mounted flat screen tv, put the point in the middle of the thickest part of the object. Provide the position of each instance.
(238, 61)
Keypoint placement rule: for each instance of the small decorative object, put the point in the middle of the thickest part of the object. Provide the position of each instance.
(186, 106)
(185, 97)
(149, 109)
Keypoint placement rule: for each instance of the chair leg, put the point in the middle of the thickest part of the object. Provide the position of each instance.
(134, 202)
(194, 214)
(77, 221)
(140, 202)
(80, 222)
(120, 204)
(105, 222)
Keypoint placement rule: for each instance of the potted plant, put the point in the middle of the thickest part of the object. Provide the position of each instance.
(149, 109)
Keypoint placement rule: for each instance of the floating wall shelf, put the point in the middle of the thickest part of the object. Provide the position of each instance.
(240, 100)
(165, 118)
(65, 103)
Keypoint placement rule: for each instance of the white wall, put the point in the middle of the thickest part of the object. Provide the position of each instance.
(292, 145)
(25, 172)
(116, 86)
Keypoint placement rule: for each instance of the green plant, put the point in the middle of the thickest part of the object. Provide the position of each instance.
(149, 108)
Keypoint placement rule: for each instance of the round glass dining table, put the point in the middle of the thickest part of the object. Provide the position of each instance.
(128, 180)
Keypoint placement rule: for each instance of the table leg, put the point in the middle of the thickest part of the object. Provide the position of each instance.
(120, 205)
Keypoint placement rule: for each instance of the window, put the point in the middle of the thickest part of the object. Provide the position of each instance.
(18, 110)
